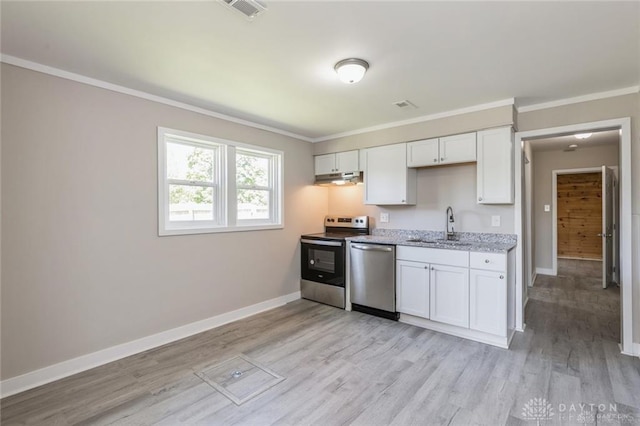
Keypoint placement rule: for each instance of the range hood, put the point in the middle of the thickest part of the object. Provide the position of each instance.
(339, 179)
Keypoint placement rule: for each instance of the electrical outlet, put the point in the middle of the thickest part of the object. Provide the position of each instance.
(495, 221)
(384, 217)
(547, 208)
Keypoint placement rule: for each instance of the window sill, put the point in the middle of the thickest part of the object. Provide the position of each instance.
(239, 228)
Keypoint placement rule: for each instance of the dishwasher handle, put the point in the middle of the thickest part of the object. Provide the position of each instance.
(371, 247)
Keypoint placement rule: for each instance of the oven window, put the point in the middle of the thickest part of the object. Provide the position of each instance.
(322, 260)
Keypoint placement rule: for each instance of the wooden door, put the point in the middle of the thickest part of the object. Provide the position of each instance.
(580, 215)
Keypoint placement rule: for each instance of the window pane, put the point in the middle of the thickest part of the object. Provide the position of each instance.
(189, 162)
(190, 203)
(253, 204)
(252, 170)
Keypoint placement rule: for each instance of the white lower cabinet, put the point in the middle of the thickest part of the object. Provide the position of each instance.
(449, 295)
(488, 296)
(412, 280)
(467, 294)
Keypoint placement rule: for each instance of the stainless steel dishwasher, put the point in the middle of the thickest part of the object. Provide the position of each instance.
(373, 279)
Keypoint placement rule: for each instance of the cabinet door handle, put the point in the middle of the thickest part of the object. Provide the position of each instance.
(486, 261)
(441, 158)
(433, 269)
(502, 277)
(435, 160)
(479, 198)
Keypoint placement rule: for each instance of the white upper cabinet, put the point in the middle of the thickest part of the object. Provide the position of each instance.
(338, 162)
(446, 150)
(495, 166)
(423, 153)
(325, 164)
(458, 148)
(387, 179)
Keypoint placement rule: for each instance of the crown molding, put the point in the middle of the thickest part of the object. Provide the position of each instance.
(481, 107)
(45, 69)
(578, 99)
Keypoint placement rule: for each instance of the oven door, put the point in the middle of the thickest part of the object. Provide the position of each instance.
(322, 261)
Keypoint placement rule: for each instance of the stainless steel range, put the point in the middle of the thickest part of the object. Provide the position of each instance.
(323, 258)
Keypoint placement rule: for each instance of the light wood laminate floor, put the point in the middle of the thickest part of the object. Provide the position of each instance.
(350, 368)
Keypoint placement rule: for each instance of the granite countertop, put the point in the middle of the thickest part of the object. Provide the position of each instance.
(465, 241)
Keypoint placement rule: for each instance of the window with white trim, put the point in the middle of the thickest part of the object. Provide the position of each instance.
(207, 184)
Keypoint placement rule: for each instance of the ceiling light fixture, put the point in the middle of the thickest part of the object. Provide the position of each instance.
(573, 146)
(583, 135)
(351, 70)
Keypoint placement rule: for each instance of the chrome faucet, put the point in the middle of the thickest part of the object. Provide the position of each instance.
(449, 220)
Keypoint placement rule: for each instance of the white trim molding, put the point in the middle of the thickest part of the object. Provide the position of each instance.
(545, 271)
(56, 72)
(585, 98)
(82, 363)
(627, 269)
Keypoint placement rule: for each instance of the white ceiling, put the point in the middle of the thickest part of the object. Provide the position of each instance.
(607, 137)
(278, 69)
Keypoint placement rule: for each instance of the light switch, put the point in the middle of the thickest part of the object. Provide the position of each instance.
(547, 208)
(384, 217)
(495, 221)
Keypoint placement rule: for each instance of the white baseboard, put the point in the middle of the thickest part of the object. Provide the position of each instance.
(466, 333)
(533, 278)
(544, 271)
(67, 368)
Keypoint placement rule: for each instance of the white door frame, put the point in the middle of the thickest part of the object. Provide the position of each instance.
(554, 209)
(626, 264)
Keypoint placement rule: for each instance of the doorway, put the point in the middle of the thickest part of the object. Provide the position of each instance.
(624, 272)
(585, 218)
(578, 215)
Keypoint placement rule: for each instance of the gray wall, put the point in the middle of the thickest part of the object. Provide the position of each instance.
(83, 267)
(544, 164)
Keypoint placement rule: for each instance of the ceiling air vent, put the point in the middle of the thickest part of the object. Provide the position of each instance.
(405, 104)
(249, 8)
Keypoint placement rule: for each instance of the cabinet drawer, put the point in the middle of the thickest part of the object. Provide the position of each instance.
(431, 255)
(488, 261)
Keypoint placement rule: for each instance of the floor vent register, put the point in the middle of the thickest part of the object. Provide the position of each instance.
(240, 378)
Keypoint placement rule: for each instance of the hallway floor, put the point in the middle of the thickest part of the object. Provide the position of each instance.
(578, 286)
